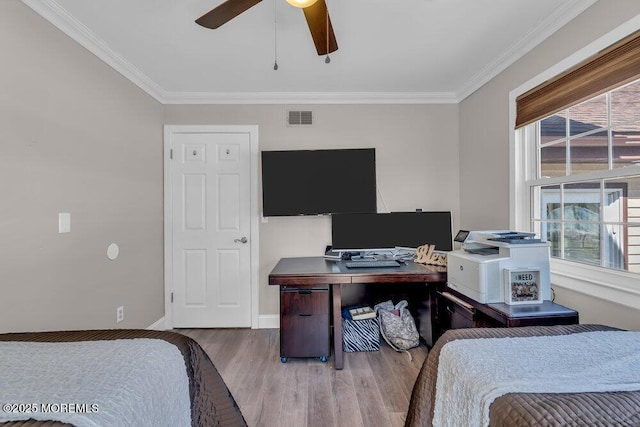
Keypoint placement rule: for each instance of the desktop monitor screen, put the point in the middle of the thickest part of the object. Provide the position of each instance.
(354, 232)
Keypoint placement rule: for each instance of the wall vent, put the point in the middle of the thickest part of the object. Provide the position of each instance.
(300, 118)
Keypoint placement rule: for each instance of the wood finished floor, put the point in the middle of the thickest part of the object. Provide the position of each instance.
(372, 390)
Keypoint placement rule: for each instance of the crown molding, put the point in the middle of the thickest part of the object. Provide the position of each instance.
(60, 18)
(561, 17)
(310, 98)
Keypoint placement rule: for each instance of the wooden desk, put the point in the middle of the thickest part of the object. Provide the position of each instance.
(319, 270)
(453, 315)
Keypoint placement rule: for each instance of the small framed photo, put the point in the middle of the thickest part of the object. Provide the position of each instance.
(522, 286)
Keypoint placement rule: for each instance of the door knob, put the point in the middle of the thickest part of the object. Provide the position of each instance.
(243, 240)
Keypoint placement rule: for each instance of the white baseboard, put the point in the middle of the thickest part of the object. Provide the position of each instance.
(265, 321)
(269, 321)
(158, 325)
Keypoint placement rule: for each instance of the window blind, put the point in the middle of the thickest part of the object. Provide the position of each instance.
(612, 67)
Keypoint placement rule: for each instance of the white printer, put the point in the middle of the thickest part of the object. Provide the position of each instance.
(500, 266)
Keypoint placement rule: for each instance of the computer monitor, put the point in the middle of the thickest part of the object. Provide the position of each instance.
(318, 182)
(386, 231)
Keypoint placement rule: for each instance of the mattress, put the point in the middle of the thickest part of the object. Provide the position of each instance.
(527, 409)
(211, 401)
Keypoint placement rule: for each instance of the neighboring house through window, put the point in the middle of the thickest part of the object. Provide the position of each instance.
(590, 212)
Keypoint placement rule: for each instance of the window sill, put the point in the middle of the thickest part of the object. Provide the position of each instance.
(620, 287)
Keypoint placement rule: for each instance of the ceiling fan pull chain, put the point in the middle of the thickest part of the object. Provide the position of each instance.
(327, 59)
(275, 35)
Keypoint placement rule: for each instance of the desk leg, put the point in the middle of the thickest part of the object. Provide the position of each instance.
(434, 327)
(337, 326)
(433, 313)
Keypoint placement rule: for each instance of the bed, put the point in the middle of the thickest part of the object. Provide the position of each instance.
(203, 395)
(610, 408)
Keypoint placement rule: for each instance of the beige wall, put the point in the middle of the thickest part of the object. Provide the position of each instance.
(484, 138)
(75, 136)
(594, 310)
(416, 161)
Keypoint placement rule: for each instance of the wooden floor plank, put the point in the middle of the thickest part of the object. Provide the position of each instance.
(370, 401)
(231, 343)
(390, 387)
(373, 389)
(295, 403)
(345, 398)
(256, 355)
(405, 370)
(268, 401)
(234, 366)
(274, 390)
(321, 404)
(397, 419)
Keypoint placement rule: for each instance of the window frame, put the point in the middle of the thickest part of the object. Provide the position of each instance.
(612, 285)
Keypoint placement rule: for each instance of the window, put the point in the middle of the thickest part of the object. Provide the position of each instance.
(585, 187)
(575, 157)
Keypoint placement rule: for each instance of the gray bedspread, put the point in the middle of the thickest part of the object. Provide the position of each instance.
(211, 401)
(528, 409)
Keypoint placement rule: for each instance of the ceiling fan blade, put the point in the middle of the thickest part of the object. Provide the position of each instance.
(317, 19)
(225, 13)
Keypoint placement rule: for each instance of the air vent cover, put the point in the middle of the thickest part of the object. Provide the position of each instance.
(300, 118)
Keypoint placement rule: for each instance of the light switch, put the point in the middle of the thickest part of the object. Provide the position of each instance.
(64, 223)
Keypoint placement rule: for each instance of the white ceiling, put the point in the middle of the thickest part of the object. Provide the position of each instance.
(389, 50)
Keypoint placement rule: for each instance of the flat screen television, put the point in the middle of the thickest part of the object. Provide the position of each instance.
(317, 182)
(384, 231)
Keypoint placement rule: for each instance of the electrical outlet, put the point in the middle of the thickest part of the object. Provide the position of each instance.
(120, 314)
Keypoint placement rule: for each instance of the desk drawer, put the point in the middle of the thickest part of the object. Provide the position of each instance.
(457, 313)
(459, 316)
(305, 335)
(304, 301)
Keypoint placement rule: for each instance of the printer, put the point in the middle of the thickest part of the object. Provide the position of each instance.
(500, 266)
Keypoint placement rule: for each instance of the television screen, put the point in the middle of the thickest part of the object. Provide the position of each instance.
(354, 232)
(315, 182)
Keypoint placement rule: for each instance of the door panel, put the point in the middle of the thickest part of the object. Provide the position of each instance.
(229, 206)
(195, 190)
(195, 281)
(211, 214)
(228, 276)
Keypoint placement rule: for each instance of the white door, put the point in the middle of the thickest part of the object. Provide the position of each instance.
(210, 229)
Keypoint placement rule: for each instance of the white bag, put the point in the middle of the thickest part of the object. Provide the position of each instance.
(399, 331)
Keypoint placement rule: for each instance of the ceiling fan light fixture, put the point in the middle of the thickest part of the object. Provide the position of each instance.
(301, 3)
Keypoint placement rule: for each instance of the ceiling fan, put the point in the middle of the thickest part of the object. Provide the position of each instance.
(315, 11)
